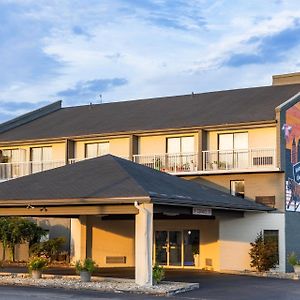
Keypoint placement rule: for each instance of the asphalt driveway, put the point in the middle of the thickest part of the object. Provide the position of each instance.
(213, 286)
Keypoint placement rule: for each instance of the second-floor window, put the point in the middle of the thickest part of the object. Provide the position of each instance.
(237, 188)
(12, 155)
(41, 159)
(180, 144)
(233, 150)
(96, 149)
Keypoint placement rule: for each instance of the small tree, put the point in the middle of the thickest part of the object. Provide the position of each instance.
(263, 254)
(16, 230)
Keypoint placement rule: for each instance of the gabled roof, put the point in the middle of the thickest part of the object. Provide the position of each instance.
(109, 179)
(194, 110)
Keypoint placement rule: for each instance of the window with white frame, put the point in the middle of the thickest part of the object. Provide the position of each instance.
(183, 144)
(41, 159)
(96, 149)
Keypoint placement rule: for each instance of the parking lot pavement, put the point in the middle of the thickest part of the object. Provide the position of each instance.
(213, 286)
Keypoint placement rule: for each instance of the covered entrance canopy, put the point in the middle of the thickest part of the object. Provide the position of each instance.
(109, 185)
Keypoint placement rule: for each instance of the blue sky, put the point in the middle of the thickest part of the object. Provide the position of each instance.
(128, 49)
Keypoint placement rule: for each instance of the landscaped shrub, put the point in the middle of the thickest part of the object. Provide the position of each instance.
(158, 274)
(37, 264)
(86, 265)
(263, 254)
(49, 249)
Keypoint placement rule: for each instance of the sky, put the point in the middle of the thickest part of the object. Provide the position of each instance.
(83, 51)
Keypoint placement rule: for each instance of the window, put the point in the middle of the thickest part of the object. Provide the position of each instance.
(41, 154)
(41, 159)
(272, 236)
(96, 149)
(181, 145)
(237, 188)
(233, 150)
(13, 155)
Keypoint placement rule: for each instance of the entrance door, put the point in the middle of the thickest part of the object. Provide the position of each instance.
(175, 248)
(161, 247)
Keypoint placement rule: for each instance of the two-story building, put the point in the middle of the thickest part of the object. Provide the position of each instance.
(243, 142)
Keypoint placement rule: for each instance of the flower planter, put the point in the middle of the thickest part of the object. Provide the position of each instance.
(196, 260)
(85, 276)
(297, 269)
(36, 274)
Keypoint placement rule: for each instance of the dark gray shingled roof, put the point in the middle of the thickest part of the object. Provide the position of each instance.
(215, 108)
(108, 177)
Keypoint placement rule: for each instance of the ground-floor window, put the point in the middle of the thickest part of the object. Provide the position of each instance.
(177, 248)
(273, 237)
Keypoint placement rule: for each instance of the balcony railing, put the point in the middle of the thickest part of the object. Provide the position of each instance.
(239, 159)
(177, 163)
(171, 163)
(18, 169)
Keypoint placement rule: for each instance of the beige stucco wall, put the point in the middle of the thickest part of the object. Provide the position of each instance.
(112, 238)
(237, 233)
(256, 184)
(117, 146)
(157, 144)
(116, 238)
(257, 137)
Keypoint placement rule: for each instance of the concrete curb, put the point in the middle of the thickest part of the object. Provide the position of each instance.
(277, 275)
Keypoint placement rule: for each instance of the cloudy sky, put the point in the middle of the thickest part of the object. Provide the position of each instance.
(75, 50)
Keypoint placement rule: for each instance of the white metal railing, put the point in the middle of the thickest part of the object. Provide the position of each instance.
(169, 162)
(239, 159)
(18, 169)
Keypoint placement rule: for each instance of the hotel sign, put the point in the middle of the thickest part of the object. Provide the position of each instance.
(200, 211)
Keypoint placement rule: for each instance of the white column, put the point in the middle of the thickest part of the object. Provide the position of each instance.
(143, 244)
(78, 239)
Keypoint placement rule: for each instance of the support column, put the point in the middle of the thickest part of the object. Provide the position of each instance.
(202, 146)
(78, 238)
(143, 244)
(133, 146)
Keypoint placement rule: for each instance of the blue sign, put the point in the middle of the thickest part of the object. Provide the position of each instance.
(296, 170)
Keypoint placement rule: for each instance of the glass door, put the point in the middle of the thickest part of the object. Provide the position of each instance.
(161, 247)
(191, 247)
(178, 248)
(175, 248)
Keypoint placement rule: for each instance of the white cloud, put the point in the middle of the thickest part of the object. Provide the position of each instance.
(178, 49)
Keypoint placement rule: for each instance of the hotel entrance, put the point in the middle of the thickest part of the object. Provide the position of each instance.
(177, 248)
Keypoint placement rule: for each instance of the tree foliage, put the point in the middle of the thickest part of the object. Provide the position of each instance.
(263, 254)
(48, 249)
(16, 230)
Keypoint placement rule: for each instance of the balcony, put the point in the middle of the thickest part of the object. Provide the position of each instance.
(216, 161)
(18, 169)
(176, 163)
(233, 160)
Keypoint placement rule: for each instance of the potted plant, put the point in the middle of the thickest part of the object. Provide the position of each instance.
(158, 274)
(293, 260)
(85, 268)
(36, 265)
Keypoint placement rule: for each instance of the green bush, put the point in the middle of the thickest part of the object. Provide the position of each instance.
(158, 274)
(263, 254)
(293, 259)
(49, 249)
(37, 264)
(86, 265)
